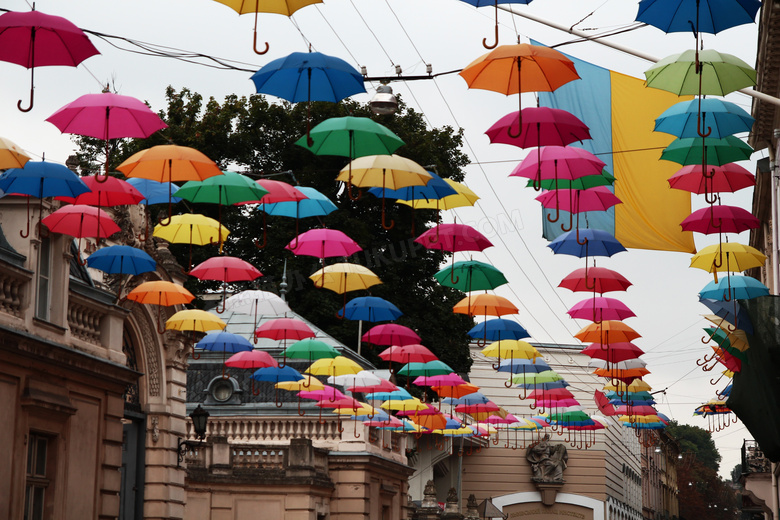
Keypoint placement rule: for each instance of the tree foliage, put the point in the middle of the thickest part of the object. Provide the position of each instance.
(697, 441)
(254, 136)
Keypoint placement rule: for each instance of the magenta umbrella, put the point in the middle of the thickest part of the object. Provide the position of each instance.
(251, 359)
(81, 221)
(34, 39)
(107, 116)
(558, 162)
(454, 237)
(599, 198)
(391, 334)
(541, 126)
(225, 269)
(452, 379)
(600, 308)
(720, 219)
(282, 329)
(323, 243)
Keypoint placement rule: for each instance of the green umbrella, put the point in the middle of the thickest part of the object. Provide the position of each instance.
(718, 151)
(350, 137)
(721, 73)
(471, 275)
(311, 349)
(720, 337)
(533, 378)
(583, 183)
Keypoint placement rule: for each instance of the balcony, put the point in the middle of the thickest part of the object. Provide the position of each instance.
(753, 459)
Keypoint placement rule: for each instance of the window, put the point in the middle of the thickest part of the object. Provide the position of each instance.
(38, 482)
(43, 288)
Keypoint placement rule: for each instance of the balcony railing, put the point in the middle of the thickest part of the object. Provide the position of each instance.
(753, 459)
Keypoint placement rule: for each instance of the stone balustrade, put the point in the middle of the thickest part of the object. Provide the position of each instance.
(14, 283)
(84, 322)
(260, 429)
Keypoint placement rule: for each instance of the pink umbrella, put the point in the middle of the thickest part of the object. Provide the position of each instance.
(720, 219)
(541, 126)
(225, 269)
(598, 279)
(414, 353)
(282, 329)
(278, 191)
(391, 334)
(111, 192)
(452, 379)
(600, 308)
(599, 198)
(558, 162)
(323, 243)
(383, 386)
(453, 238)
(81, 221)
(251, 359)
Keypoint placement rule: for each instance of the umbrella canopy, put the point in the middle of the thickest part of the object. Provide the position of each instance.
(192, 229)
(34, 39)
(494, 4)
(598, 309)
(370, 308)
(606, 332)
(226, 189)
(414, 353)
(437, 188)
(308, 76)
(107, 116)
(730, 256)
(259, 303)
(336, 366)
(277, 374)
(278, 191)
(224, 342)
(351, 137)
(434, 367)
(485, 305)
(720, 219)
(194, 320)
(391, 334)
(580, 183)
(154, 192)
(161, 293)
(598, 279)
(542, 126)
(454, 237)
(719, 151)
(311, 349)
(11, 155)
(323, 243)
(81, 221)
(721, 74)
(225, 269)
(717, 117)
(599, 198)
(732, 312)
(121, 259)
(283, 329)
(725, 178)
(511, 349)
(169, 163)
(252, 359)
(589, 242)
(463, 197)
(471, 275)
(498, 329)
(558, 162)
(314, 205)
(702, 16)
(42, 179)
(110, 191)
(734, 287)
(342, 278)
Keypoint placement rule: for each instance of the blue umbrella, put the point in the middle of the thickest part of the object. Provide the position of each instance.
(734, 287)
(544, 386)
(588, 242)
(309, 76)
(122, 260)
(155, 192)
(700, 16)
(41, 179)
(498, 329)
(520, 366)
(434, 190)
(224, 342)
(277, 375)
(727, 310)
(472, 398)
(395, 395)
(370, 308)
(716, 116)
(316, 205)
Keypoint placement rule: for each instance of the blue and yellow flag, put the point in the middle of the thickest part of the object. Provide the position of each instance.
(620, 112)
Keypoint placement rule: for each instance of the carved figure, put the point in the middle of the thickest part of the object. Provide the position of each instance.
(547, 461)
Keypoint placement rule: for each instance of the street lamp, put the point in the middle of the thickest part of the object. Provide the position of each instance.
(200, 419)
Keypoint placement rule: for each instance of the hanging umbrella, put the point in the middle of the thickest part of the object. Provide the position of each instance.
(542, 126)
(510, 349)
(718, 179)
(343, 278)
(732, 312)
(558, 163)
(689, 118)
(720, 74)
(33, 39)
(598, 309)
(699, 16)
(731, 256)
(109, 192)
(252, 360)
(169, 163)
(598, 279)
(607, 332)
(472, 275)
(385, 171)
(513, 69)
(310, 349)
(41, 179)
(277, 375)
(311, 76)
(224, 342)
(497, 329)
(485, 305)
(282, 329)
(11, 155)
(194, 320)
(391, 334)
(734, 287)
(454, 238)
(720, 219)
(596, 243)
(350, 137)
(599, 198)
(191, 229)
(414, 353)
(371, 309)
(283, 7)
(162, 294)
(323, 243)
(718, 151)
(226, 269)
(257, 303)
(580, 183)
(81, 221)
(107, 116)
(494, 3)
(434, 367)
(119, 259)
(314, 205)
(277, 191)
(154, 193)
(463, 197)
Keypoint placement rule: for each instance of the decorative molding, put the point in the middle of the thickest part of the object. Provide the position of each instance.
(155, 429)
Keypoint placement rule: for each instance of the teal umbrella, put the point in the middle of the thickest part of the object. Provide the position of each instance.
(691, 150)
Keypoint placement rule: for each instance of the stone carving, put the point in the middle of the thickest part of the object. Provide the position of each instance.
(155, 429)
(429, 496)
(547, 461)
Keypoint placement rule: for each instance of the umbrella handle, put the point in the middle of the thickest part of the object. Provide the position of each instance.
(384, 224)
(78, 258)
(255, 390)
(194, 354)
(699, 127)
(162, 331)
(715, 382)
(276, 399)
(509, 131)
(142, 237)
(25, 234)
(254, 40)
(349, 193)
(300, 412)
(454, 279)
(32, 81)
(224, 293)
(484, 40)
(357, 435)
(582, 244)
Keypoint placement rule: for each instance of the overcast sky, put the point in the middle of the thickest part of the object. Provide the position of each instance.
(447, 34)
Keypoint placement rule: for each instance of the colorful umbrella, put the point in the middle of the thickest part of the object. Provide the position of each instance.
(191, 229)
(282, 329)
(607, 332)
(599, 198)
(463, 197)
(513, 69)
(33, 39)
(194, 320)
(717, 179)
(542, 126)
(730, 256)
(277, 191)
(558, 162)
(310, 349)
(580, 183)
(259, 303)
(252, 360)
(323, 243)
(154, 193)
(598, 309)
(732, 312)
(734, 287)
(11, 155)
(718, 151)
(485, 305)
(121, 259)
(371, 309)
(342, 278)
(391, 334)
(690, 118)
(277, 375)
(414, 353)
(720, 73)
(111, 191)
(720, 219)
(351, 137)
(596, 243)
(471, 275)
(283, 7)
(598, 279)
(162, 294)
(81, 221)
(223, 342)
(226, 269)
(314, 205)
(497, 329)
(701, 16)
(494, 3)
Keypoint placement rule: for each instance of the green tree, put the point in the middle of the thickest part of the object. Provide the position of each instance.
(255, 137)
(697, 441)
(736, 473)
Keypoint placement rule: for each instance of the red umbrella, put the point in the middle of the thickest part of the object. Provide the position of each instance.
(383, 386)
(599, 309)
(225, 269)
(453, 238)
(452, 379)
(490, 406)
(613, 352)
(323, 243)
(33, 39)
(414, 353)
(251, 359)
(729, 178)
(391, 334)
(109, 192)
(278, 191)
(720, 219)
(603, 403)
(541, 126)
(558, 162)
(107, 116)
(283, 329)
(598, 279)
(81, 221)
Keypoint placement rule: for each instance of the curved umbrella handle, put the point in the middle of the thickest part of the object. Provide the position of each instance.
(484, 40)
(25, 234)
(254, 40)
(582, 244)
(32, 81)
(509, 131)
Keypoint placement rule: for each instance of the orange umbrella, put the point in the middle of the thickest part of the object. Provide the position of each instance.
(430, 421)
(485, 305)
(513, 69)
(606, 332)
(160, 293)
(169, 163)
(455, 391)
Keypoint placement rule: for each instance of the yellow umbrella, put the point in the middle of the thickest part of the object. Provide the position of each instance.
(383, 171)
(511, 349)
(336, 366)
(11, 155)
(195, 320)
(636, 386)
(308, 383)
(192, 229)
(343, 277)
(728, 257)
(284, 7)
(364, 409)
(405, 404)
(737, 337)
(463, 197)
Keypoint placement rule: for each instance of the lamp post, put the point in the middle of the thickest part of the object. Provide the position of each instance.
(200, 419)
